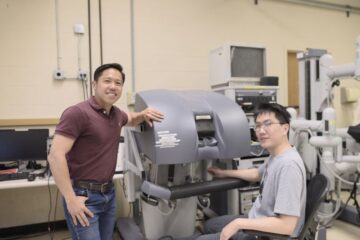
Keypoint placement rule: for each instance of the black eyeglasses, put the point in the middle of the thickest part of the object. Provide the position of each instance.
(266, 125)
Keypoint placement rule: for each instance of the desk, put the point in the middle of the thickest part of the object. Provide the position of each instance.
(25, 203)
(24, 183)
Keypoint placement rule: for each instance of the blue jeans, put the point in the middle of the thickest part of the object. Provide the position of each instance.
(213, 227)
(103, 206)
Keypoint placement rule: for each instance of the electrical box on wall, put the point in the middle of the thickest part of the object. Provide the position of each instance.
(59, 74)
(79, 28)
(82, 75)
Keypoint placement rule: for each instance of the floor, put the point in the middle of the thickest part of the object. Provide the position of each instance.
(339, 230)
(342, 230)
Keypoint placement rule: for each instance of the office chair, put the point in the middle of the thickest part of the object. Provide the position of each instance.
(316, 192)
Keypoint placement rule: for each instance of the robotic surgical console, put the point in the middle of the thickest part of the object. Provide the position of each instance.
(166, 165)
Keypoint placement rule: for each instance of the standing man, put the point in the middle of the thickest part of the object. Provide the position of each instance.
(84, 152)
(280, 207)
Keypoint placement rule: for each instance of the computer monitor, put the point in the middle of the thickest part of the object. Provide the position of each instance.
(247, 62)
(236, 63)
(24, 145)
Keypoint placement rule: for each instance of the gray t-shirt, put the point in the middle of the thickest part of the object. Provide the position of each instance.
(284, 188)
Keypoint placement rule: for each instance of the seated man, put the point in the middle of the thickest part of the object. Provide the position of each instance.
(280, 207)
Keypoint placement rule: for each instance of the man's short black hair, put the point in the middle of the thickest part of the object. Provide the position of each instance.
(103, 67)
(280, 111)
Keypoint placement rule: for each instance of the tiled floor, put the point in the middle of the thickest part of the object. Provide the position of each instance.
(343, 231)
(339, 231)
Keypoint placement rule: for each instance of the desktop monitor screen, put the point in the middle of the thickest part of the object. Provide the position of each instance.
(247, 62)
(23, 145)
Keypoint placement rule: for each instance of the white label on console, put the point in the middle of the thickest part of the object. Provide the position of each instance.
(167, 140)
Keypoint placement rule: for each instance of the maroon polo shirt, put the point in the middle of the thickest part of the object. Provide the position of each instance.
(94, 153)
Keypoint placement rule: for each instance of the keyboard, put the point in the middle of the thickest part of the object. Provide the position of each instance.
(14, 176)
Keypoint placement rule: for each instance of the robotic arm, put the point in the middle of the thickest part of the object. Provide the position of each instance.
(338, 152)
(330, 72)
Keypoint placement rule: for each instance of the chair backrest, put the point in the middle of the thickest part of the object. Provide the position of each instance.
(316, 192)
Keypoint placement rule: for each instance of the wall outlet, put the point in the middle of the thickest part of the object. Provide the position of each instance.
(59, 74)
(82, 75)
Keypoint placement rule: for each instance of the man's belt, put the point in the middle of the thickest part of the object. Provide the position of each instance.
(92, 186)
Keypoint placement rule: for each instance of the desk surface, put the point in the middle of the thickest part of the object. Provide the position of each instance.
(38, 182)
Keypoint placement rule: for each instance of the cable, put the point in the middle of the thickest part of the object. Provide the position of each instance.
(330, 95)
(328, 218)
(54, 220)
(101, 33)
(123, 186)
(90, 53)
(171, 208)
(167, 237)
(58, 57)
(50, 209)
(352, 196)
(258, 154)
(33, 235)
(333, 173)
(5, 166)
(338, 211)
(79, 51)
(83, 88)
(86, 89)
(51, 231)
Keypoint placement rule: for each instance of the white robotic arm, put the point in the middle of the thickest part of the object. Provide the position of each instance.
(338, 160)
(328, 71)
